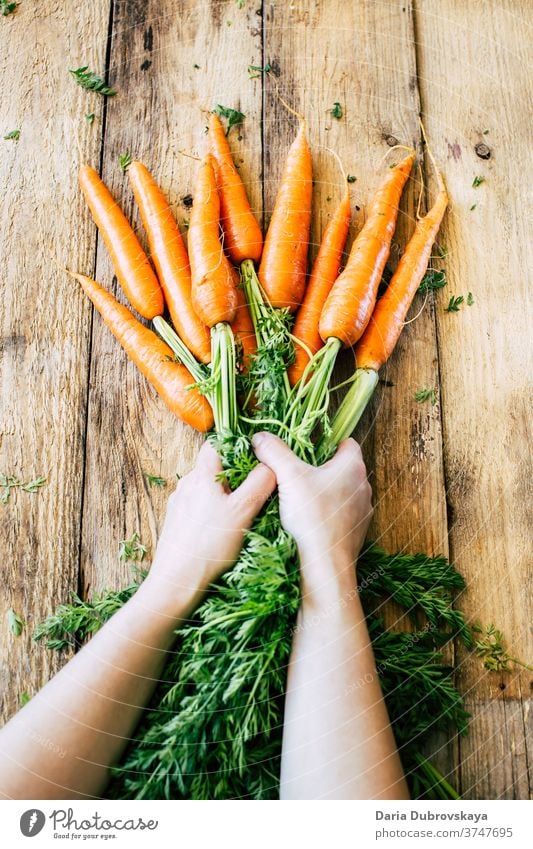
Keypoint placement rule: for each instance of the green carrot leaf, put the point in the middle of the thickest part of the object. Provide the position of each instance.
(233, 116)
(454, 303)
(15, 622)
(426, 395)
(125, 160)
(91, 81)
(132, 549)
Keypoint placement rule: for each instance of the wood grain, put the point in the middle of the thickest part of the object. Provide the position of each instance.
(73, 407)
(474, 92)
(44, 320)
(160, 110)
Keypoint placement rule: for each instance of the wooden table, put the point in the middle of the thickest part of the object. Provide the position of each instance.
(450, 477)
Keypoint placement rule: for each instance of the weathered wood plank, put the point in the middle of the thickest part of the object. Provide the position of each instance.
(363, 56)
(475, 97)
(45, 321)
(157, 114)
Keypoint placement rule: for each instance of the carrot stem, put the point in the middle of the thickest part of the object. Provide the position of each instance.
(168, 335)
(349, 412)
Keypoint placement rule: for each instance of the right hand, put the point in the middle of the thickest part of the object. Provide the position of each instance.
(326, 509)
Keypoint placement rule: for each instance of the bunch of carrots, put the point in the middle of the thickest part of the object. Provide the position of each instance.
(251, 345)
(232, 296)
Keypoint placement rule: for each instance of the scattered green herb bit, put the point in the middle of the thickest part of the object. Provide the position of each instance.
(489, 647)
(89, 117)
(233, 116)
(91, 81)
(473, 207)
(196, 66)
(240, 4)
(12, 482)
(351, 178)
(229, 23)
(186, 223)
(178, 476)
(470, 299)
(433, 280)
(132, 549)
(255, 71)
(24, 698)
(155, 480)
(13, 134)
(485, 132)
(16, 624)
(7, 8)
(336, 112)
(426, 395)
(125, 160)
(477, 182)
(442, 251)
(454, 303)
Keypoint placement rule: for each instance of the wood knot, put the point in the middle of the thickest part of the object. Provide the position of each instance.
(391, 140)
(482, 150)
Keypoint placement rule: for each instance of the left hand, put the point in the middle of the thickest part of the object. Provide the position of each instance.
(203, 532)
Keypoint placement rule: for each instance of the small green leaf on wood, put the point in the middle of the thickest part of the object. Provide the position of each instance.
(155, 480)
(132, 549)
(13, 135)
(125, 160)
(433, 280)
(454, 303)
(336, 112)
(15, 622)
(91, 81)
(422, 395)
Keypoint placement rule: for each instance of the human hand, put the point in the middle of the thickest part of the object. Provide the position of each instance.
(326, 509)
(203, 530)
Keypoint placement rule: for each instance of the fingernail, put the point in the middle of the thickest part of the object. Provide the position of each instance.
(258, 439)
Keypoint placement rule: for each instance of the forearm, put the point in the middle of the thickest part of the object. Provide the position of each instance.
(62, 743)
(337, 741)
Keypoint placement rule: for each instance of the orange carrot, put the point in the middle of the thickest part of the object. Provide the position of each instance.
(350, 303)
(323, 275)
(379, 339)
(243, 329)
(283, 265)
(242, 235)
(153, 358)
(133, 270)
(214, 294)
(169, 256)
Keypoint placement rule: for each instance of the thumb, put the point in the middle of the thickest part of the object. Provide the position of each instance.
(253, 492)
(276, 454)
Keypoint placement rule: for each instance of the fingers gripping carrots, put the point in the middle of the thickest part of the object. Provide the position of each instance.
(283, 267)
(323, 275)
(350, 303)
(153, 358)
(242, 235)
(133, 270)
(170, 258)
(214, 295)
(379, 339)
